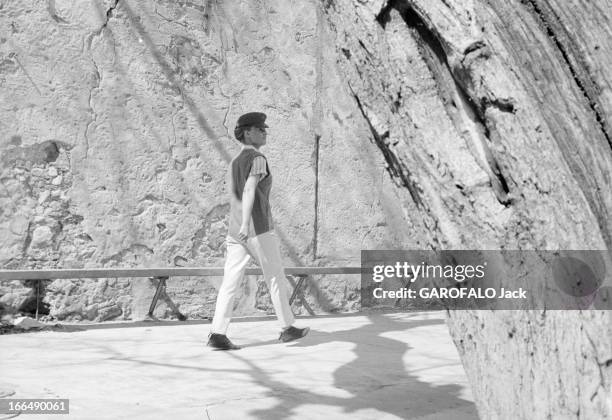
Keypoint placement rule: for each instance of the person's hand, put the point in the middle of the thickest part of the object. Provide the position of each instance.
(243, 234)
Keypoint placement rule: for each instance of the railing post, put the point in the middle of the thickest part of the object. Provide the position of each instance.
(37, 297)
(161, 285)
(161, 289)
(297, 291)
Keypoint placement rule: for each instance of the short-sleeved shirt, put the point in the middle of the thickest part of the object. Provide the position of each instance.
(259, 167)
(250, 162)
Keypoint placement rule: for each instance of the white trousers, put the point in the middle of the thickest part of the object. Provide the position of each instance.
(265, 249)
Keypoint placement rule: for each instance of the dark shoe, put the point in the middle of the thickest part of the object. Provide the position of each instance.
(292, 333)
(221, 342)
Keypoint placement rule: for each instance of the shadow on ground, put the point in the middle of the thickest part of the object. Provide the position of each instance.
(359, 372)
(374, 376)
(399, 394)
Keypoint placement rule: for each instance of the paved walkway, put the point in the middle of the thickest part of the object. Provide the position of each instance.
(382, 366)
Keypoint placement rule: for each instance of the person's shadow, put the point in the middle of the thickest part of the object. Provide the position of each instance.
(376, 378)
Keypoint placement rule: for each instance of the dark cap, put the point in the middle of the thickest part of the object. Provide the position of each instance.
(252, 119)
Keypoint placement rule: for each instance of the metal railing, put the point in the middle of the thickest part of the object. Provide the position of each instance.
(159, 277)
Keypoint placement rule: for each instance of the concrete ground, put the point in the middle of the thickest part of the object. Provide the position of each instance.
(380, 366)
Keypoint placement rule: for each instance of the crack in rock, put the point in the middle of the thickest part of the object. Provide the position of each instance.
(107, 15)
(316, 157)
(394, 166)
(600, 366)
(453, 84)
(93, 113)
(575, 65)
(477, 109)
(53, 13)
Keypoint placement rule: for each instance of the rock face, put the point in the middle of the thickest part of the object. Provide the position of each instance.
(116, 132)
(519, 157)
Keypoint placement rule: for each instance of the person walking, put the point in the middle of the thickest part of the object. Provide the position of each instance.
(251, 235)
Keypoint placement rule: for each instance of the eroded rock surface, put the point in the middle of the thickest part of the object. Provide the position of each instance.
(494, 117)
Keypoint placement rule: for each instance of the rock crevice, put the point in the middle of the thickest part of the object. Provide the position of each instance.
(576, 65)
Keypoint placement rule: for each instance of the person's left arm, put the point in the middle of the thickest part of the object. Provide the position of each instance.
(258, 172)
(248, 197)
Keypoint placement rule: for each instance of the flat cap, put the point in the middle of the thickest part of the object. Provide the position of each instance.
(256, 119)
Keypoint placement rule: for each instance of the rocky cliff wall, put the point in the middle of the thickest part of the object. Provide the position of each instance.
(496, 117)
(116, 121)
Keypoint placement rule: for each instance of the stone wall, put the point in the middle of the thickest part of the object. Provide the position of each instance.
(116, 122)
